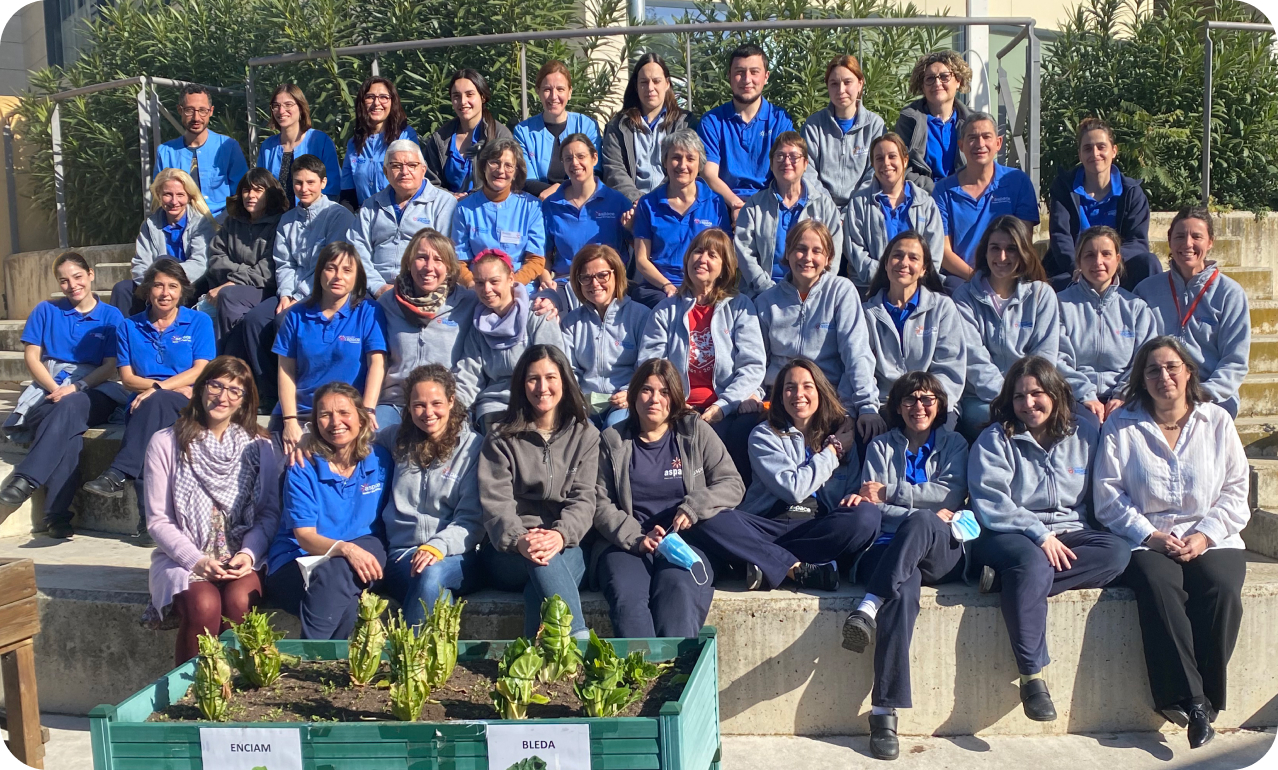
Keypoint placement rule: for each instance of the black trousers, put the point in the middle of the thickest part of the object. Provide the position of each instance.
(329, 607)
(233, 303)
(648, 596)
(54, 457)
(251, 341)
(734, 430)
(921, 552)
(775, 545)
(124, 297)
(1189, 618)
(1028, 579)
(159, 411)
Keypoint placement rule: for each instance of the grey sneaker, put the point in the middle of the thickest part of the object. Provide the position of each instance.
(754, 577)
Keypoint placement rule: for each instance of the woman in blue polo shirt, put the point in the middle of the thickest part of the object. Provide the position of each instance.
(160, 352)
(291, 117)
(332, 508)
(334, 336)
(70, 353)
(541, 135)
(379, 120)
(581, 212)
(668, 218)
(500, 216)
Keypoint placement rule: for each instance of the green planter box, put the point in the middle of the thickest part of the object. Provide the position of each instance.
(684, 737)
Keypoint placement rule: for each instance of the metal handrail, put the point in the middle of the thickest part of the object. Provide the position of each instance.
(1208, 55)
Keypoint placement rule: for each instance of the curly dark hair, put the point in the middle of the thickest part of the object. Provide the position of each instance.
(1060, 423)
(416, 445)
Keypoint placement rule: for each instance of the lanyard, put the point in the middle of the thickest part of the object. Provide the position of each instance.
(1188, 314)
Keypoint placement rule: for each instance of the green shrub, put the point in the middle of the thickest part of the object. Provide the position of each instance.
(1142, 70)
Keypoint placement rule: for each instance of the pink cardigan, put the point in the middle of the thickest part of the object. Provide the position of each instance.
(175, 555)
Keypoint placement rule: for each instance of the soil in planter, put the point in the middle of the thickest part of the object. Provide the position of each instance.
(320, 691)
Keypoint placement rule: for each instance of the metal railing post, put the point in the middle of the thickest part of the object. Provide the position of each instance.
(687, 67)
(144, 141)
(252, 115)
(1207, 66)
(376, 68)
(59, 174)
(11, 183)
(155, 108)
(523, 81)
(1034, 67)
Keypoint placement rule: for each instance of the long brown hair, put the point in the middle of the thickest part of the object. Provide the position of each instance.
(396, 119)
(670, 379)
(303, 106)
(332, 252)
(1031, 268)
(519, 415)
(630, 99)
(193, 420)
(1060, 424)
(315, 442)
(930, 278)
(1137, 390)
(829, 413)
(416, 445)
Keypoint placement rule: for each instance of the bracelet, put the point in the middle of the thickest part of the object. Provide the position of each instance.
(370, 409)
(289, 417)
(834, 442)
(79, 386)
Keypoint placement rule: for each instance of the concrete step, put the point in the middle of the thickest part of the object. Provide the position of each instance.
(13, 367)
(108, 274)
(1257, 281)
(1259, 435)
(1259, 394)
(1264, 316)
(11, 336)
(1264, 489)
(1264, 353)
(1226, 250)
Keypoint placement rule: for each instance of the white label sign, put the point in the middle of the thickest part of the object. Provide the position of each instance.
(519, 747)
(250, 748)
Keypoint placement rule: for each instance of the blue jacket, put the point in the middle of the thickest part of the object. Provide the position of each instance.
(1029, 326)
(933, 341)
(381, 233)
(604, 351)
(314, 142)
(1100, 334)
(365, 172)
(538, 142)
(303, 231)
(221, 163)
(946, 468)
(783, 471)
(1064, 225)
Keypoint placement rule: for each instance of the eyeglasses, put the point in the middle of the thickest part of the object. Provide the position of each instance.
(372, 98)
(586, 279)
(283, 105)
(910, 402)
(217, 388)
(791, 158)
(395, 168)
(500, 165)
(1155, 372)
(189, 112)
(944, 79)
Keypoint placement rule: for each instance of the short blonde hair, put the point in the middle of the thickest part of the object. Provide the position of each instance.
(192, 191)
(440, 243)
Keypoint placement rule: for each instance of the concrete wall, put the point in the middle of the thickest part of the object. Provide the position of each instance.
(28, 277)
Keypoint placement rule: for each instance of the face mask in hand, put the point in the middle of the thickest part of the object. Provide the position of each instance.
(964, 527)
(679, 553)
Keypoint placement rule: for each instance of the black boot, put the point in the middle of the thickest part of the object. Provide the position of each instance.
(1037, 701)
(883, 742)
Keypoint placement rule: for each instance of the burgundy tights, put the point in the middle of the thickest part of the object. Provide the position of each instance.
(204, 604)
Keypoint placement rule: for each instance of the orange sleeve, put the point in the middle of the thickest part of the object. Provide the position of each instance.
(464, 278)
(532, 267)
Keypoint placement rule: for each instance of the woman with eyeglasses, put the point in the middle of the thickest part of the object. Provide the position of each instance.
(213, 485)
(379, 120)
(1202, 307)
(1172, 480)
(768, 215)
(602, 335)
(541, 135)
(839, 136)
(501, 216)
(932, 124)
(631, 153)
(291, 117)
(452, 150)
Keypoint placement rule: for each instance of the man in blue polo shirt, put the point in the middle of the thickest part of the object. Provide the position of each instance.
(214, 161)
(979, 192)
(738, 135)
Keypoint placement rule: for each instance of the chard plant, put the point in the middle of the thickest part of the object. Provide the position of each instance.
(516, 686)
(257, 659)
(554, 638)
(409, 664)
(368, 639)
(212, 679)
(639, 672)
(443, 628)
(603, 692)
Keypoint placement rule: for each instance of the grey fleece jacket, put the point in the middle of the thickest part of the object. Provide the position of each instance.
(1029, 326)
(1017, 486)
(784, 472)
(483, 373)
(829, 328)
(739, 354)
(755, 235)
(528, 481)
(411, 343)
(604, 351)
(865, 233)
(710, 480)
(617, 162)
(933, 341)
(946, 467)
(439, 505)
(911, 126)
(380, 235)
(840, 162)
(151, 244)
(241, 253)
(1100, 334)
(302, 233)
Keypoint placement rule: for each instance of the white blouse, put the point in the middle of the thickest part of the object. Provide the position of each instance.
(1142, 485)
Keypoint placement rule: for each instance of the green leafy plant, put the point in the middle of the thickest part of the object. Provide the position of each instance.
(516, 686)
(368, 639)
(603, 692)
(529, 763)
(554, 637)
(257, 659)
(639, 672)
(409, 664)
(212, 679)
(443, 628)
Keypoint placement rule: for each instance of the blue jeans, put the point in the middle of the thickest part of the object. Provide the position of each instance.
(974, 415)
(388, 415)
(454, 573)
(609, 417)
(511, 572)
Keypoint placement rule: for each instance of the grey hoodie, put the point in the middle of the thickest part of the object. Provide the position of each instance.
(302, 233)
(784, 472)
(411, 344)
(830, 329)
(933, 342)
(840, 162)
(946, 468)
(756, 233)
(379, 235)
(739, 354)
(439, 505)
(528, 481)
(911, 126)
(604, 351)
(151, 244)
(1100, 334)
(1016, 486)
(241, 253)
(865, 233)
(1029, 326)
(483, 373)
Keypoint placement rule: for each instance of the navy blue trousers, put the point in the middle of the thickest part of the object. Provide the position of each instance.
(54, 457)
(648, 596)
(329, 607)
(124, 297)
(1028, 579)
(159, 411)
(776, 545)
(233, 303)
(734, 430)
(251, 341)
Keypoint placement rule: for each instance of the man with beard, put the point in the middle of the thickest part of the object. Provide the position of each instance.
(214, 161)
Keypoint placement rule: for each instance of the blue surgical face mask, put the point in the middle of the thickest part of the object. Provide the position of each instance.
(674, 550)
(964, 527)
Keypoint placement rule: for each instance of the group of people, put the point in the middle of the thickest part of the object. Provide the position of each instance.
(553, 358)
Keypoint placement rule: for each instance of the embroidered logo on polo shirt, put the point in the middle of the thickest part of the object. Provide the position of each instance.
(703, 222)
(605, 215)
(370, 489)
(180, 338)
(996, 200)
(349, 338)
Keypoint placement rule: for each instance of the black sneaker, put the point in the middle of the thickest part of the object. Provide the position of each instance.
(110, 483)
(754, 577)
(883, 740)
(60, 530)
(823, 577)
(143, 537)
(16, 492)
(858, 631)
(990, 584)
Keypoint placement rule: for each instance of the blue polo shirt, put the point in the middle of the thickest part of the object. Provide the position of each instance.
(896, 220)
(846, 124)
(1095, 213)
(942, 145)
(966, 218)
(568, 228)
(458, 168)
(741, 149)
(330, 349)
(173, 239)
(786, 217)
(671, 232)
(364, 172)
(337, 507)
(67, 335)
(916, 461)
(160, 355)
(516, 226)
(901, 314)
